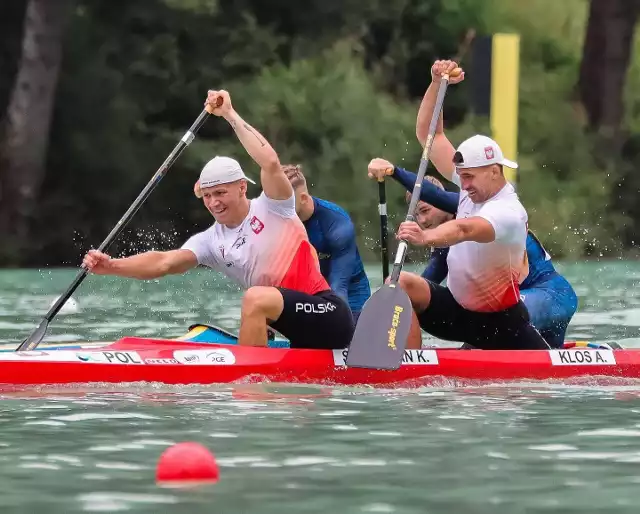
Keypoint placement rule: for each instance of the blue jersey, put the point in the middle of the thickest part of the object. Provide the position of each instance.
(332, 234)
(548, 296)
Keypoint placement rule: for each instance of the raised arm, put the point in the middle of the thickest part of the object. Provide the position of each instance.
(446, 201)
(275, 183)
(433, 195)
(442, 150)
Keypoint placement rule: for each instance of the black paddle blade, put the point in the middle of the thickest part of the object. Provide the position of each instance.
(382, 330)
(35, 338)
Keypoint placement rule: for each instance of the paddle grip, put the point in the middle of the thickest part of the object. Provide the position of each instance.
(219, 102)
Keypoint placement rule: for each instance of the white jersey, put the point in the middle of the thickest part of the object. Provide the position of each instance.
(269, 248)
(483, 277)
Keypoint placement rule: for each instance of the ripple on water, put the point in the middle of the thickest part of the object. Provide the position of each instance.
(39, 465)
(103, 416)
(378, 508)
(122, 466)
(120, 501)
(116, 447)
(553, 447)
(610, 432)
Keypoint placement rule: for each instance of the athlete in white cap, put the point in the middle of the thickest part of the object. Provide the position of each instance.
(481, 304)
(260, 243)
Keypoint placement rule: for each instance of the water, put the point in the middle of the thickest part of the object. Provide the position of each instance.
(520, 448)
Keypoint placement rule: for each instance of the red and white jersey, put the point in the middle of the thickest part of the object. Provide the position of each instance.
(483, 277)
(269, 248)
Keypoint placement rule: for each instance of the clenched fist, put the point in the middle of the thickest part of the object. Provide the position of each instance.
(379, 168)
(439, 68)
(218, 103)
(97, 262)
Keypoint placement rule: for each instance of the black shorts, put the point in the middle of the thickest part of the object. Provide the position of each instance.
(509, 329)
(320, 321)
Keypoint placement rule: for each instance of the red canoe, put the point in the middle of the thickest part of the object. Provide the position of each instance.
(133, 359)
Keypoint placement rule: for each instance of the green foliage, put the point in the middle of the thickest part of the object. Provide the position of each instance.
(565, 187)
(331, 84)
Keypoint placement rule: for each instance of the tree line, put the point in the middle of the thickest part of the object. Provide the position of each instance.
(95, 93)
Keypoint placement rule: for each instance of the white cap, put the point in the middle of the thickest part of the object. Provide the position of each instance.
(480, 151)
(221, 170)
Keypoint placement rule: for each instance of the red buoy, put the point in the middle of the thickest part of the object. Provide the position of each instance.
(187, 462)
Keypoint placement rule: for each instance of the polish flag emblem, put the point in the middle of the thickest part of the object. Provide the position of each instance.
(488, 152)
(256, 225)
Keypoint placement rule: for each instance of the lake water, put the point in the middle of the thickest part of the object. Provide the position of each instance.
(516, 448)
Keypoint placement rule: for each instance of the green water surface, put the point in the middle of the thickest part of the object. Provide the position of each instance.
(515, 448)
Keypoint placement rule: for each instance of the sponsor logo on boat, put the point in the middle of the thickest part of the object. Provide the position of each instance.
(110, 357)
(161, 361)
(219, 356)
(581, 357)
(395, 321)
(312, 308)
(410, 357)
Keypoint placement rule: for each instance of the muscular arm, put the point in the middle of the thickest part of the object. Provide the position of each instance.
(442, 150)
(344, 254)
(275, 183)
(443, 200)
(150, 265)
(457, 231)
(437, 268)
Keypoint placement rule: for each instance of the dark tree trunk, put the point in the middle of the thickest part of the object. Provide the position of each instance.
(23, 148)
(605, 59)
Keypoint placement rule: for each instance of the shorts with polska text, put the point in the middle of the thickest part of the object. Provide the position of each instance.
(509, 329)
(320, 321)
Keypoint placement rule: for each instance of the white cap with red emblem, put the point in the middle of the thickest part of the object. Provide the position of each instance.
(480, 151)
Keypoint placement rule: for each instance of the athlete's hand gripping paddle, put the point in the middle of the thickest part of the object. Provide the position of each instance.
(35, 338)
(383, 326)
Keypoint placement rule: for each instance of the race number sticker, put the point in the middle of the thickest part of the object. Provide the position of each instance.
(581, 357)
(412, 357)
(218, 356)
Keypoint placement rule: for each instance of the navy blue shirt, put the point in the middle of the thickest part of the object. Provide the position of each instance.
(333, 235)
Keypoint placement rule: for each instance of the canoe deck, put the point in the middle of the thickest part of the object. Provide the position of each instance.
(134, 359)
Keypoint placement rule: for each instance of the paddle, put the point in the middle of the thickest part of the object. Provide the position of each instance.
(383, 326)
(384, 243)
(37, 335)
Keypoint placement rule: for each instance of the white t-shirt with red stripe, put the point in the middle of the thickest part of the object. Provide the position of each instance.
(483, 277)
(269, 248)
